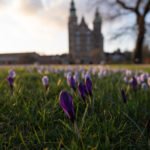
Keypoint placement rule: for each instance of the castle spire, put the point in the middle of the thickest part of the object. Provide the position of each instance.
(83, 23)
(82, 20)
(72, 9)
(97, 18)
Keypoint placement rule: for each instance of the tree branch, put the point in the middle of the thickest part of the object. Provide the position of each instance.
(123, 31)
(112, 17)
(123, 5)
(147, 8)
(137, 7)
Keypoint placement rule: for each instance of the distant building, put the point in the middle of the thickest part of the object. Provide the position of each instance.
(19, 58)
(31, 58)
(85, 45)
(118, 57)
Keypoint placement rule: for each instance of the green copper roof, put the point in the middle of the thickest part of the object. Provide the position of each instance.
(72, 9)
(97, 17)
(72, 14)
(72, 6)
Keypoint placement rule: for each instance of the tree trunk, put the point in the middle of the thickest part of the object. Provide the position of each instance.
(140, 40)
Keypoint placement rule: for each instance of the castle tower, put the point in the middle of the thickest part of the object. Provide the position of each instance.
(97, 22)
(72, 27)
(98, 39)
(85, 45)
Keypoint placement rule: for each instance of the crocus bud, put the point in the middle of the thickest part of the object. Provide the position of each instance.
(125, 79)
(76, 77)
(134, 83)
(123, 95)
(71, 82)
(144, 85)
(12, 73)
(128, 73)
(82, 92)
(69, 75)
(86, 92)
(87, 75)
(45, 81)
(66, 103)
(88, 84)
(143, 77)
(11, 82)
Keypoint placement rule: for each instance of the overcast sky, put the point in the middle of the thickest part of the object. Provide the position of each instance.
(41, 26)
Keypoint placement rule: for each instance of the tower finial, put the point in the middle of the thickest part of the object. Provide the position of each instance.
(72, 6)
(97, 16)
(72, 9)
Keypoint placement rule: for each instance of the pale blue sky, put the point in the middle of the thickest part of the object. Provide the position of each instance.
(41, 26)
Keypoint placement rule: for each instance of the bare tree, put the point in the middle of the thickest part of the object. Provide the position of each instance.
(114, 9)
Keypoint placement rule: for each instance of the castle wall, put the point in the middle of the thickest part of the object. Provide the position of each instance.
(85, 45)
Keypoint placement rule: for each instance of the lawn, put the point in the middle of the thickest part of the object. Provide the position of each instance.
(31, 118)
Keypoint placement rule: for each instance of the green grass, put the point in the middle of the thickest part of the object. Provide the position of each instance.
(32, 119)
(133, 67)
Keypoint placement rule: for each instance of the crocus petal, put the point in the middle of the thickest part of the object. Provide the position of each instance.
(69, 75)
(81, 89)
(45, 81)
(134, 83)
(12, 73)
(66, 103)
(10, 81)
(88, 84)
(72, 83)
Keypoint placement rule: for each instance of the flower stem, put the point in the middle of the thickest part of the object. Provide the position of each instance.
(76, 129)
(90, 99)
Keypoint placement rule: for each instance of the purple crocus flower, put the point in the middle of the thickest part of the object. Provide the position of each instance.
(88, 84)
(123, 95)
(66, 103)
(69, 75)
(12, 73)
(76, 77)
(11, 82)
(72, 83)
(86, 92)
(82, 91)
(144, 86)
(134, 83)
(45, 81)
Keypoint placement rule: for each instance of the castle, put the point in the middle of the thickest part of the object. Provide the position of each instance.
(85, 45)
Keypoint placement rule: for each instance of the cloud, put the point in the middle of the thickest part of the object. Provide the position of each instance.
(50, 13)
(29, 7)
(53, 13)
(2, 3)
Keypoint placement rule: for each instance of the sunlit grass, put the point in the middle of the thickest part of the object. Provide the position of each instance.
(32, 119)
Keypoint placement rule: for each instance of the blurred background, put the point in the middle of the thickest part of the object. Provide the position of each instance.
(74, 31)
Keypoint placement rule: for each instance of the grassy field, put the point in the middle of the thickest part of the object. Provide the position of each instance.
(133, 67)
(30, 118)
